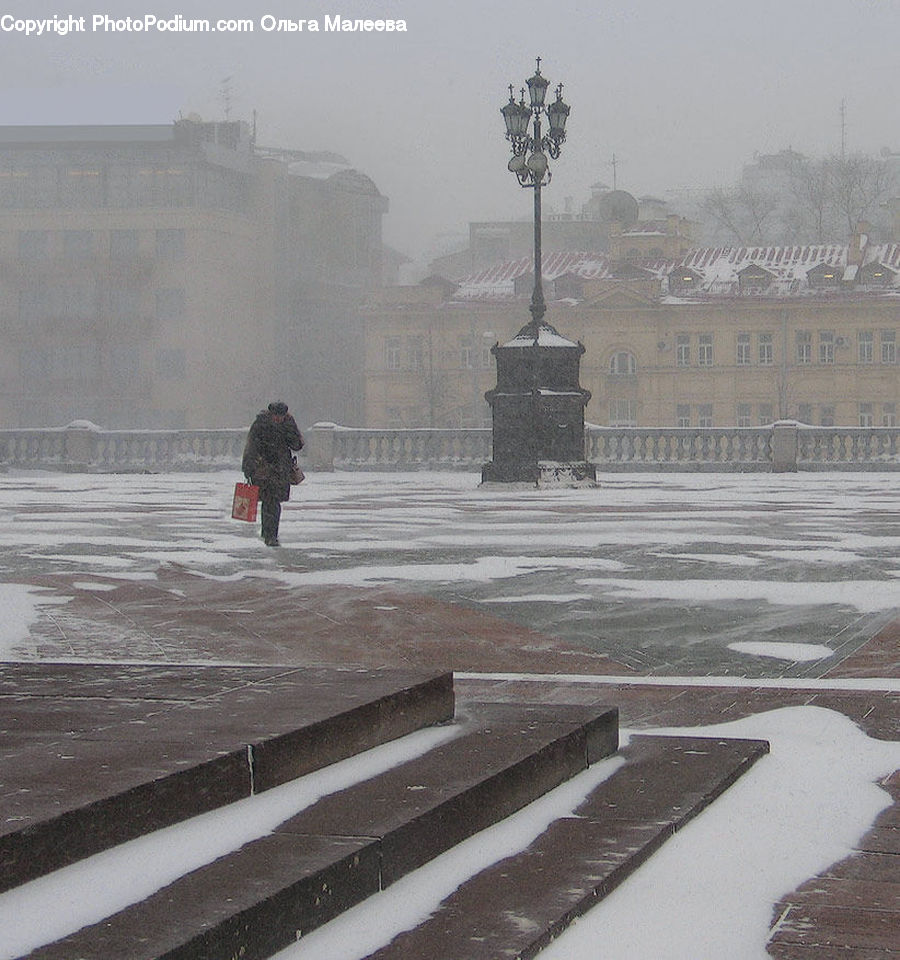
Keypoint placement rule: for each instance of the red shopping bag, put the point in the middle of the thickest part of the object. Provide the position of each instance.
(246, 497)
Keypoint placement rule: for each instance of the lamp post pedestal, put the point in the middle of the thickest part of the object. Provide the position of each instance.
(537, 411)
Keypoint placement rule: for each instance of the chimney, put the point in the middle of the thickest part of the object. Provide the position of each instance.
(858, 243)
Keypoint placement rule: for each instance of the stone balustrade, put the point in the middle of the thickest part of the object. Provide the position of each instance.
(781, 447)
(85, 447)
(332, 447)
(714, 449)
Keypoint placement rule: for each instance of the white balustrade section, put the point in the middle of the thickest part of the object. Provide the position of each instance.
(781, 447)
(88, 448)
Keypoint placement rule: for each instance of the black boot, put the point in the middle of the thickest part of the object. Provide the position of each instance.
(271, 515)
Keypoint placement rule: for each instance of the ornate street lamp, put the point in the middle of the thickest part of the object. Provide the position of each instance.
(529, 155)
(537, 407)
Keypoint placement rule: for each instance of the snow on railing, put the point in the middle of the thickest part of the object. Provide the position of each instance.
(835, 447)
(781, 447)
(680, 448)
(400, 449)
(84, 446)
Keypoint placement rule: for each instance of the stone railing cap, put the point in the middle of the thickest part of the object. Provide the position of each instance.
(83, 425)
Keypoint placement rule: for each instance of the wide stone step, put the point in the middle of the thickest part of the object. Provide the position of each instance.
(352, 843)
(94, 755)
(516, 907)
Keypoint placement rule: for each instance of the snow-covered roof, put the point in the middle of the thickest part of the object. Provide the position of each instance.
(497, 282)
(316, 169)
(716, 270)
(719, 267)
(547, 336)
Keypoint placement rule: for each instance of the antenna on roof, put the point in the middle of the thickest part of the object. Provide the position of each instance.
(843, 130)
(225, 96)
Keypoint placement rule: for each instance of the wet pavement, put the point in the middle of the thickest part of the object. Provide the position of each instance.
(756, 575)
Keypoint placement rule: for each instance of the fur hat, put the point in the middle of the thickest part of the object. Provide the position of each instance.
(278, 408)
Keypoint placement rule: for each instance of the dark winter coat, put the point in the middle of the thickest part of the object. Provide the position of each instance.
(267, 455)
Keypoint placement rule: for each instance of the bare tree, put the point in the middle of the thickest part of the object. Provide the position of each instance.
(741, 215)
(810, 211)
(858, 185)
(818, 201)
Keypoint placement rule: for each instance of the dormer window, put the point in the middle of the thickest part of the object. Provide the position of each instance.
(824, 277)
(684, 280)
(876, 275)
(754, 279)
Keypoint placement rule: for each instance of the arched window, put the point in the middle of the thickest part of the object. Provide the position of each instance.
(622, 364)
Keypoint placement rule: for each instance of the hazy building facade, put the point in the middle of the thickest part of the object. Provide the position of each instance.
(177, 275)
(610, 221)
(718, 337)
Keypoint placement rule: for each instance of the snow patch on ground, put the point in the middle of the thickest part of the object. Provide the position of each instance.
(867, 596)
(20, 608)
(793, 652)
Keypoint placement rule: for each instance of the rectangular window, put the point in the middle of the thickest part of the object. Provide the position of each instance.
(392, 354)
(415, 352)
(12, 186)
(622, 413)
(804, 412)
(743, 349)
(81, 187)
(889, 415)
(766, 349)
(486, 357)
(123, 304)
(78, 244)
(744, 415)
(77, 300)
(170, 244)
(683, 415)
(34, 364)
(34, 303)
(826, 346)
(705, 350)
(163, 186)
(866, 415)
(465, 354)
(170, 305)
(888, 346)
(866, 346)
(804, 346)
(171, 364)
(705, 415)
(826, 416)
(683, 349)
(124, 364)
(123, 244)
(766, 415)
(34, 244)
(394, 417)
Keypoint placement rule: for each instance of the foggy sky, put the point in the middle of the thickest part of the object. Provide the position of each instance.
(682, 93)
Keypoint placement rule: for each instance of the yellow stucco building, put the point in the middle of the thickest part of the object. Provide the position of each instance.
(718, 337)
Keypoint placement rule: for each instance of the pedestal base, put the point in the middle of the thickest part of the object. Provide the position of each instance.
(544, 474)
(578, 473)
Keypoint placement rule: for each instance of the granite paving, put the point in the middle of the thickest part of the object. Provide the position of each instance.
(647, 580)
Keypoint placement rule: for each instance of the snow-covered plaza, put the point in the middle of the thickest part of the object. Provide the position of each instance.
(780, 587)
(750, 575)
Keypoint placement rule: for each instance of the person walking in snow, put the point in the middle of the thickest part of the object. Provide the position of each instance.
(267, 463)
